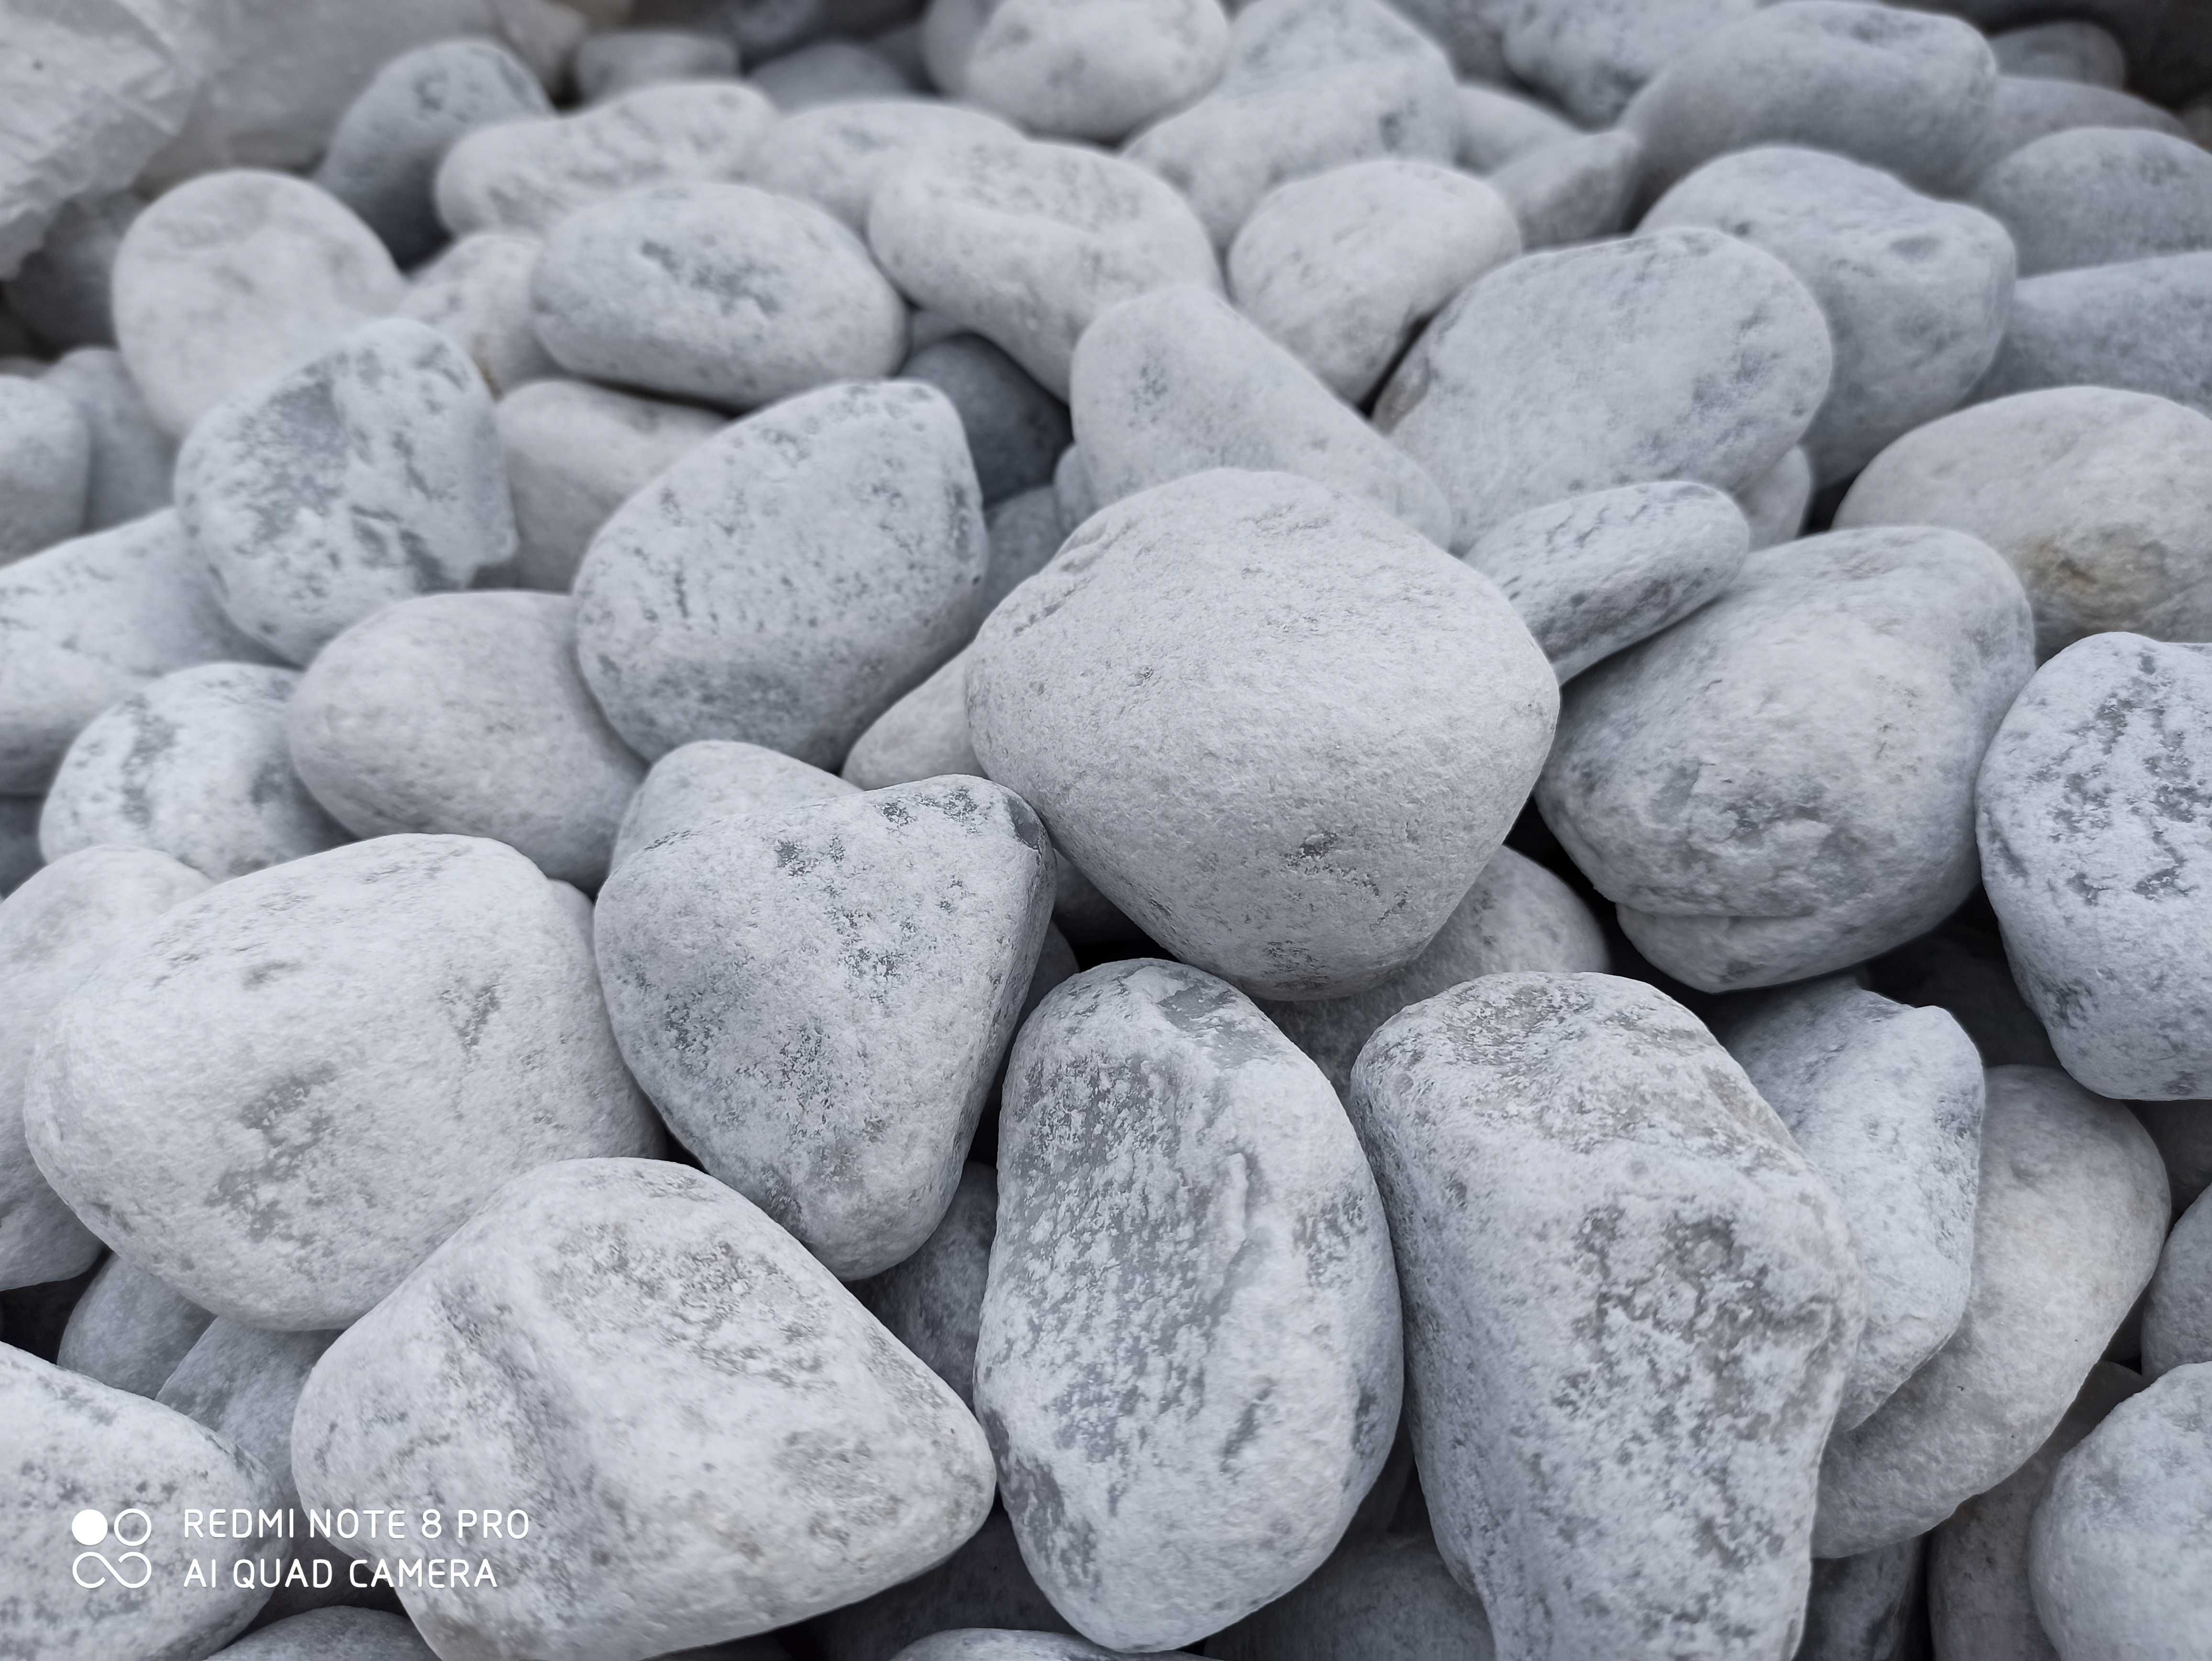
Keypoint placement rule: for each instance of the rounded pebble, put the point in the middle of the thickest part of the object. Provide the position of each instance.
(694, 784)
(46, 467)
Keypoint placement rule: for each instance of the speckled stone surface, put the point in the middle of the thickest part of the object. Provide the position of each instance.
(333, 1635)
(46, 467)
(694, 784)
(836, 155)
(2144, 326)
(2095, 196)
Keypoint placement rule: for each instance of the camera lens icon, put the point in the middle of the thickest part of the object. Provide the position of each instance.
(131, 1527)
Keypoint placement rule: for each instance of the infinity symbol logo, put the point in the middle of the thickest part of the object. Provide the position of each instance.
(122, 1578)
(90, 1528)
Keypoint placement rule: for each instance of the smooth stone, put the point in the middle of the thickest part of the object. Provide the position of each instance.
(384, 155)
(983, 1584)
(1025, 531)
(2183, 1131)
(1628, 1295)
(132, 458)
(695, 784)
(949, 30)
(817, 997)
(1682, 355)
(54, 929)
(1351, 846)
(2028, 108)
(983, 1644)
(1887, 1103)
(1735, 786)
(2122, 1545)
(46, 467)
(1496, 126)
(1210, 1219)
(2143, 326)
(339, 1635)
(834, 155)
(1094, 69)
(1961, 968)
(2068, 1223)
(831, 72)
(1015, 428)
(859, 511)
(464, 714)
(1775, 503)
(229, 281)
(2097, 196)
(933, 1303)
(19, 842)
(128, 1332)
(1177, 382)
(1468, 30)
(296, 1040)
(1343, 267)
(683, 1331)
(608, 65)
(1908, 92)
(1593, 56)
(2069, 49)
(1593, 575)
(477, 294)
(714, 291)
(1915, 291)
(1577, 191)
(2092, 494)
(1026, 244)
(1864, 1608)
(574, 453)
(529, 175)
(62, 291)
(2177, 1318)
(194, 766)
(923, 736)
(89, 622)
(1071, 488)
(1386, 1599)
(1309, 85)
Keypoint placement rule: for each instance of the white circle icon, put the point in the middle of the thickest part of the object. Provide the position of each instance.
(145, 1526)
(89, 1527)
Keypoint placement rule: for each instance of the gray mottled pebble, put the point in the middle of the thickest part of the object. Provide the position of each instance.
(984, 1584)
(1177, 381)
(464, 714)
(46, 467)
(1866, 1608)
(369, 474)
(2027, 109)
(1016, 429)
(923, 736)
(1683, 354)
(816, 998)
(608, 65)
(831, 72)
(933, 1303)
(681, 1330)
(1159, 645)
(1310, 85)
(1094, 69)
(575, 452)
(62, 291)
(715, 291)
(2143, 325)
(694, 784)
(80, 1444)
(2178, 1319)
(1595, 574)
(194, 766)
(128, 1330)
(2071, 48)
(2091, 493)
(132, 459)
(234, 278)
(1626, 1292)
(1496, 126)
(1915, 291)
(19, 841)
(54, 930)
(2121, 1547)
(1737, 785)
(1342, 267)
(477, 294)
(2067, 1227)
(290, 991)
(1904, 91)
(834, 155)
(528, 175)
(1386, 1599)
(2093, 195)
(1885, 1102)
(383, 157)
(1025, 244)
(92, 620)
(1774, 504)
(2183, 1131)
(1189, 1363)
(1577, 191)
(1592, 56)
(1025, 533)
(333, 1635)
(864, 550)
(2094, 843)
(987, 1644)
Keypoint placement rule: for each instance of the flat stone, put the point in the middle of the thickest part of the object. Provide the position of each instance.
(2095, 196)
(128, 1332)
(131, 457)
(1806, 835)
(477, 294)
(834, 155)
(2071, 48)
(1593, 56)
(1577, 191)
(2177, 1318)
(2140, 326)
(1775, 503)
(695, 784)
(983, 1584)
(1015, 428)
(1386, 1599)
(61, 291)
(1628, 1293)
(46, 467)
(933, 1303)
(608, 65)
(1094, 69)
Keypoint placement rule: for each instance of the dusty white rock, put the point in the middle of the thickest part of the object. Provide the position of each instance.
(858, 509)
(2088, 491)
(369, 474)
(1015, 428)
(1625, 1290)
(608, 65)
(684, 1331)
(817, 997)
(1887, 1103)
(1345, 863)
(529, 175)
(1094, 69)
(92, 620)
(831, 72)
(985, 1584)
(128, 1332)
(574, 453)
(1181, 1199)
(923, 736)
(933, 1303)
(2095, 196)
(2143, 325)
(1572, 192)
(715, 291)
(1391, 1598)
(1595, 573)
(1177, 381)
(2067, 1227)
(2027, 109)
(1774, 504)
(384, 155)
(1866, 1608)
(477, 294)
(694, 784)
(233, 278)
(194, 766)
(1025, 244)
(2071, 48)
(334, 1634)
(132, 459)
(2178, 1316)
(46, 467)
(1731, 786)
(1683, 354)
(1342, 267)
(366, 1006)
(1496, 126)
(1309, 85)
(1592, 56)
(1916, 292)
(62, 291)
(2092, 837)
(834, 155)
(464, 714)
